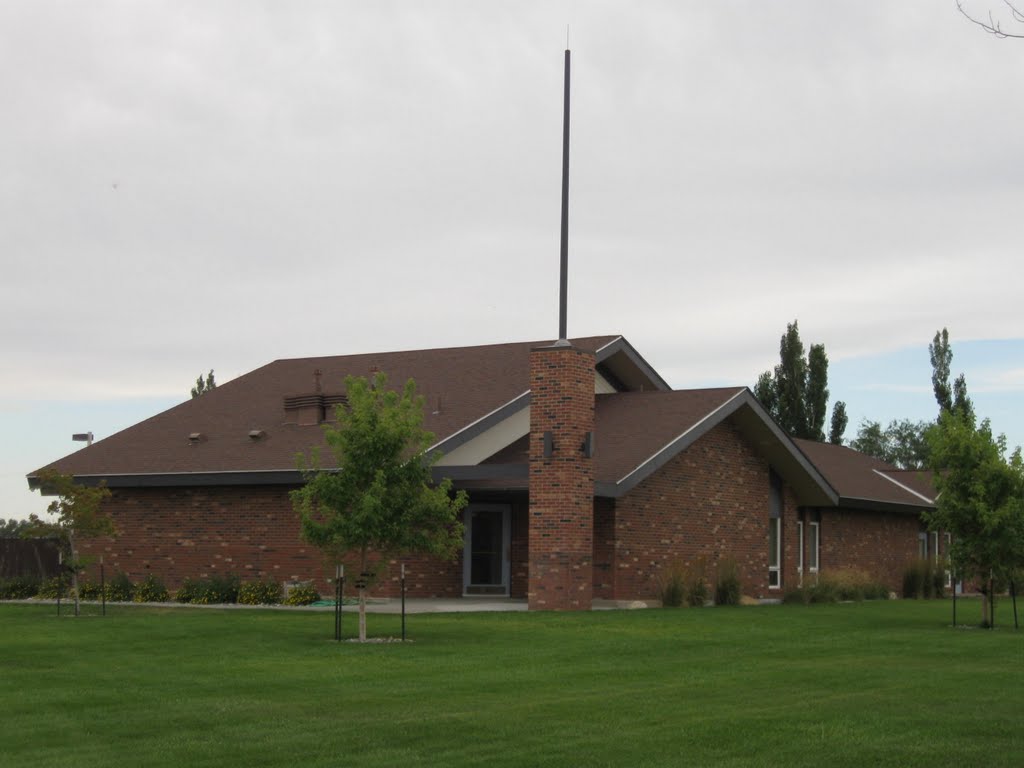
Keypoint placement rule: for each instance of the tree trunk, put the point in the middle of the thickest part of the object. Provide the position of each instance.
(74, 570)
(362, 595)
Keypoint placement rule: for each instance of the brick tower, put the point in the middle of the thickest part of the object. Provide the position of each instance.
(561, 478)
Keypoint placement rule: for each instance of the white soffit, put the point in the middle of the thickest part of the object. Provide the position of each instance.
(488, 443)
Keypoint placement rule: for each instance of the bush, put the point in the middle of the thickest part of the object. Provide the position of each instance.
(728, 589)
(120, 589)
(302, 594)
(259, 593)
(673, 586)
(833, 586)
(209, 591)
(697, 590)
(188, 592)
(19, 587)
(87, 590)
(151, 590)
(924, 579)
(49, 588)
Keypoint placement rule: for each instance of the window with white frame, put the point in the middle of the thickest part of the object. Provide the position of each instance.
(813, 546)
(774, 530)
(922, 545)
(800, 546)
(774, 553)
(949, 570)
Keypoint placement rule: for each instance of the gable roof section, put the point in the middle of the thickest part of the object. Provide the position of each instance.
(464, 387)
(638, 433)
(864, 482)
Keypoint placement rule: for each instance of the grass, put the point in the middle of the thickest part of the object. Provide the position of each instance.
(882, 684)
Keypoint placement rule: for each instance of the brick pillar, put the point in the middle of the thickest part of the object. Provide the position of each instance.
(562, 484)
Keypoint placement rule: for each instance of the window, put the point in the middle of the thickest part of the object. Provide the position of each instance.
(813, 546)
(935, 546)
(774, 553)
(800, 546)
(774, 530)
(949, 572)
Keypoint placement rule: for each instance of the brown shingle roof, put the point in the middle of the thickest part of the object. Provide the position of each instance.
(861, 478)
(470, 381)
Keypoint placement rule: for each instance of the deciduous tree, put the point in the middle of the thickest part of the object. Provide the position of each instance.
(980, 501)
(77, 513)
(379, 501)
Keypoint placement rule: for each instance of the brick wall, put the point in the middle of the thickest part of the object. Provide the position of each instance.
(708, 502)
(561, 485)
(711, 502)
(251, 531)
(881, 543)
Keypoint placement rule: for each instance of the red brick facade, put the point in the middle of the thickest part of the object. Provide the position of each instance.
(706, 504)
(562, 483)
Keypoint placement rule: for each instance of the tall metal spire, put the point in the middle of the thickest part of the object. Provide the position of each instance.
(564, 282)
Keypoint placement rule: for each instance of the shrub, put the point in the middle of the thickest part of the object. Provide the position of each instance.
(697, 590)
(188, 591)
(209, 591)
(19, 587)
(151, 590)
(259, 593)
(220, 589)
(797, 595)
(728, 590)
(120, 589)
(302, 594)
(49, 588)
(88, 590)
(925, 579)
(673, 586)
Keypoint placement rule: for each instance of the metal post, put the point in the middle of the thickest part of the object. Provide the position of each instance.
(103, 589)
(563, 287)
(403, 602)
(954, 598)
(1013, 596)
(337, 603)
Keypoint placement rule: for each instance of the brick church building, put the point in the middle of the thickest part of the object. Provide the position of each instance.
(588, 477)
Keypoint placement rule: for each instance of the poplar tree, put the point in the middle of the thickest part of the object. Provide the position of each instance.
(796, 392)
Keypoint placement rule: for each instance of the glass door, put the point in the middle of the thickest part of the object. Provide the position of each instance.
(485, 557)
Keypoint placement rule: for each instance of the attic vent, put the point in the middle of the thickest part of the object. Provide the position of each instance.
(256, 434)
(195, 437)
(311, 408)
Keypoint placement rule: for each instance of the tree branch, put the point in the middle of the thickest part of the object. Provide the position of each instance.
(993, 26)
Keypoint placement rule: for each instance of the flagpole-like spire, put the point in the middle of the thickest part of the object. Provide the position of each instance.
(564, 282)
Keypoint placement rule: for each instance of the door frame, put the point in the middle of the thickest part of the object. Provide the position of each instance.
(506, 546)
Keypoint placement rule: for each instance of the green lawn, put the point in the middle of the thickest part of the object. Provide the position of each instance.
(846, 685)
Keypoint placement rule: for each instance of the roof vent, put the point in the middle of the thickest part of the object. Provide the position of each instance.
(256, 434)
(196, 437)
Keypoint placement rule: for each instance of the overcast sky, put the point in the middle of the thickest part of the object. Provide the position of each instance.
(186, 186)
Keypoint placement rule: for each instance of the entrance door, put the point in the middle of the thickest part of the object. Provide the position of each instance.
(485, 558)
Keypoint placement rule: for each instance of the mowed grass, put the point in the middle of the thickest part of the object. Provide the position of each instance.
(874, 684)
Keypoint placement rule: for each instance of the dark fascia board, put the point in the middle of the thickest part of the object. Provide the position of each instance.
(743, 398)
(184, 479)
(275, 477)
(482, 424)
(621, 345)
(874, 505)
